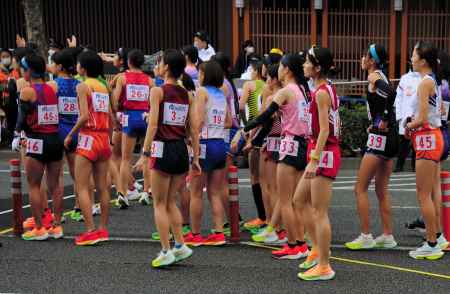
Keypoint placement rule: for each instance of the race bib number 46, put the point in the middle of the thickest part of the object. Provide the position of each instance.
(100, 102)
(175, 114)
(289, 147)
(68, 105)
(138, 92)
(376, 142)
(426, 142)
(35, 146)
(48, 114)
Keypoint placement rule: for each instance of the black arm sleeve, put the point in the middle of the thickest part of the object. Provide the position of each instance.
(263, 117)
(263, 132)
(390, 94)
(24, 109)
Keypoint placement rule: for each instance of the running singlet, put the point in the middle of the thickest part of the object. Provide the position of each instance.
(294, 115)
(232, 103)
(135, 95)
(434, 106)
(216, 110)
(98, 106)
(43, 118)
(253, 103)
(376, 102)
(67, 100)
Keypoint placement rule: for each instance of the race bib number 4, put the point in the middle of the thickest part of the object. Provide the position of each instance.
(35, 146)
(426, 142)
(100, 102)
(48, 114)
(68, 105)
(326, 159)
(289, 147)
(376, 142)
(175, 114)
(273, 144)
(138, 92)
(157, 149)
(85, 142)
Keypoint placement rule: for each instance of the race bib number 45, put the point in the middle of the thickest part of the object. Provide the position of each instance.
(68, 105)
(138, 92)
(376, 142)
(175, 114)
(426, 142)
(48, 114)
(35, 146)
(100, 101)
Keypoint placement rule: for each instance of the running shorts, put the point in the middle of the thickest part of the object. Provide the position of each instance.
(170, 157)
(213, 154)
(383, 144)
(428, 144)
(330, 160)
(133, 123)
(94, 145)
(45, 148)
(293, 151)
(63, 131)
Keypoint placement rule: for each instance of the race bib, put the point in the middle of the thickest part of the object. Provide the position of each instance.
(336, 121)
(157, 149)
(175, 114)
(100, 102)
(138, 92)
(445, 109)
(35, 146)
(303, 111)
(226, 135)
(376, 142)
(48, 114)
(273, 144)
(68, 105)
(124, 120)
(85, 142)
(216, 118)
(289, 146)
(326, 159)
(202, 151)
(426, 142)
(310, 124)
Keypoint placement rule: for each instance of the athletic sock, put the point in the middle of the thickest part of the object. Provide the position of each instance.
(292, 245)
(438, 235)
(300, 243)
(257, 197)
(178, 245)
(432, 244)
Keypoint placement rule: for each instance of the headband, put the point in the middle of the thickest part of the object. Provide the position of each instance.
(373, 53)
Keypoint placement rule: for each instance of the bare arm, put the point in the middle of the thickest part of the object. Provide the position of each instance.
(156, 95)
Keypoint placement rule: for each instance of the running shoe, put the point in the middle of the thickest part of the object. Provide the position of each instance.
(291, 253)
(35, 235)
(156, 237)
(281, 239)
(194, 240)
(215, 239)
(133, 195)
(47, 221)
(256, 231)
(96, 210)
(442, 242)
(267, 233)
(318, 273)
(362, 242)
(385, 241)
(56, 232)
(255, 223)
(138, 186)
(103, 235)
(122, 201)
(427, 252)
(163, 259)
(227, 229)
(182, 253)
(186, 229)
(87, 238)
(416, 225)
(311, 260)
(145, 199)
(76, 215)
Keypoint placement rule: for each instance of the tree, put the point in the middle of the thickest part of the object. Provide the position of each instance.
(32, 10)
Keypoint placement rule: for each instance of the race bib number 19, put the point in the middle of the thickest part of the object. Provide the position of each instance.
(426, 142)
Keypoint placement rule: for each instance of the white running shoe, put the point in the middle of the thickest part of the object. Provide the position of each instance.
(442, 242)
(96, 210)
(123, 201)
(163, 259)
(385, 241)
(182, 253)
(133, 195)
(138, 186)
(427, 252)
(362, 242)
(145, 199)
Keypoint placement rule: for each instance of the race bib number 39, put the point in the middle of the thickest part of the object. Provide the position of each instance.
(175, 114)
(326, 159)
(100, 102)
(426, 142)
(138, 92)
(68, 105)
(289, 147)
(85, 142)
(376, 142)
(157, 149)
(35, 146)
(48, 114)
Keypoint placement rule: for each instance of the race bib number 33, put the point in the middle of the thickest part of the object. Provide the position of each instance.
(289, 147)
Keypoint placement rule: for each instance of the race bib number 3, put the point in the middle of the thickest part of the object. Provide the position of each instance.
(273, 144)
(326, 159)
(100, 102)
(175, 114)
(68, 105)
(85, 142)
(376, 142)
(289, 147)
(157, 149)
(138, 92)
(426, 142)
(48, 114)
(35, 146)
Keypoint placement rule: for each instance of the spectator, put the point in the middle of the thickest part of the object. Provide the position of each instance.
(205, 50)
(243, 60)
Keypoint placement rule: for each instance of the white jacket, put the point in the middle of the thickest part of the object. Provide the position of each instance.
(206, 54)
(406, 93)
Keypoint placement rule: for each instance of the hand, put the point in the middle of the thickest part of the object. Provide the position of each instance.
(311, 169)
(248, 147)
(369, 129)
(72, 42)
(383, 126)
(20, 42)
(16, 143)
(67, 141)
(139, 165)
(196, 168)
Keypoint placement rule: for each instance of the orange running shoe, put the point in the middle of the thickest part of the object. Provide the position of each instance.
(56, 232)
(311, 260)
(35, 235)
(47, 220)
(254, 223)
(318, 273)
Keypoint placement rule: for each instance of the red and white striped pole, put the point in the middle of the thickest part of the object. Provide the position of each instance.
(233, 188)
(445, 187)
(16, 195)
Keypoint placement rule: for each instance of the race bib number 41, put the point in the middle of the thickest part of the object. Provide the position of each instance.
(68, 105)
(376, 142)
(175, 114)
(35, 146)
(85, 142)
(138, 92)
(48, 114)
(426, 142)
(100, 102)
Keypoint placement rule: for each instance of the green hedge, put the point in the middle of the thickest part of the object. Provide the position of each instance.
(354, 129)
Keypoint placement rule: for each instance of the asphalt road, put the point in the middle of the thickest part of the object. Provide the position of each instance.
(123, 264)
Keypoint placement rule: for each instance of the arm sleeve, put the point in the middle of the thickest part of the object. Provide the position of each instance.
(390, 98)
(24, 109)
(263, 132)
(263, 117)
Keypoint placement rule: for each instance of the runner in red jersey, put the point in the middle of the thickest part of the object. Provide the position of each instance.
(313, 194)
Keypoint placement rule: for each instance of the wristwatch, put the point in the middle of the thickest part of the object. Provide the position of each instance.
(146, 153)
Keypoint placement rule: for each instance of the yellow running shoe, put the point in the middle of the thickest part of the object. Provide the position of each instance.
(317, 273)
(311, 260)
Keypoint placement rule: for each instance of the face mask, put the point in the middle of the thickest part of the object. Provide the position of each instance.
(51, 52)
(6, 61)
(197, 45)
(250, 50)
